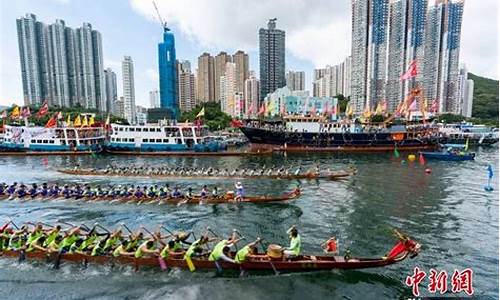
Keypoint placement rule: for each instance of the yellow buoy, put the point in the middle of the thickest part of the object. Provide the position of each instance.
(411, 157)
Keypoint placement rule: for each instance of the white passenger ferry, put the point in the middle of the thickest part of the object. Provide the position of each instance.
(24, 139)
(475, 134)
(162, 137)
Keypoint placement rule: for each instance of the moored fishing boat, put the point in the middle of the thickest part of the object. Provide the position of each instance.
(450, 152)
(318, 134)
(479, 135)
(26, 140)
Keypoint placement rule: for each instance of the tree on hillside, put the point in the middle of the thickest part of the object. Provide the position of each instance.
(214, 118)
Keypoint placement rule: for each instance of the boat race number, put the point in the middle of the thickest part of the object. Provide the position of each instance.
(438, 281)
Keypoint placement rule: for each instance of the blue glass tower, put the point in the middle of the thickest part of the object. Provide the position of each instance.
(168, 78)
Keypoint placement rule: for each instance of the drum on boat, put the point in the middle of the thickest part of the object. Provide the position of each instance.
(275, 251)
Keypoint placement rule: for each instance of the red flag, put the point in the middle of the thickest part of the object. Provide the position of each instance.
(26, 112)
(434, 106)
(334, 110)
(313, 111)
(411, 72)
(52, 122)
(326, 108)
(282, 109)
(44, 109)
(250, 110)
(421, 159)
(236, 123)
(262, 109)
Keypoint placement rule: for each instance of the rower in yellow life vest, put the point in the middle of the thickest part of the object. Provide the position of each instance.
(221, 249)
(36, 244)
(147, 247)
(246, 252)
(196, 249)
(51, 235)
(69, 239)
(121, 250)
(174, 246)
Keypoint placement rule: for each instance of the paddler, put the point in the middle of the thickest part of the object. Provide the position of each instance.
(21, 191)
(204, 192)
(147, 248)
(246, 252)
(295, 243)
(52, 234)
(215, 192)
(138, 193)
(33, 191)
(44, 191)
(176, 193)
(195, 249)
(11, 189)
(112, 241)
(35, 234)
(151, 192)
(18, 239)
(218, 253)
(121, 250)
(36, 244)
(69, 239)
(239, 191)
(66, 191)
(54, 191)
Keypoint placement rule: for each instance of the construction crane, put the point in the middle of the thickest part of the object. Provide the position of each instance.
(163, 24)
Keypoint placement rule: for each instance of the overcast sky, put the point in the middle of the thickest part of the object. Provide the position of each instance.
(317, 33)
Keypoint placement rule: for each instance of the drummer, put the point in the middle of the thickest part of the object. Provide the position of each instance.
(295, 244)
(239, 191)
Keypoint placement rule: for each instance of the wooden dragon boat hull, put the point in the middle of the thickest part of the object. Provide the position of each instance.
(162, 200)
(330, 176)
(301, 264)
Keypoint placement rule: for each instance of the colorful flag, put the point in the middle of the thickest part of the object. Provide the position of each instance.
(262, 109)
(413, 106)
(15, 112)
(334, 110)
(84, 121)
(44, 109)
(91, 121)
(78, 121)
(411, 72)
(59, 115)
(26, 112)
(68, 120)
(282, 110)
(421, 159)
(313, 111)
(201, 113)
(250, 110)
(466, 144)
(52, 122)
(396, 152)
(434, 106)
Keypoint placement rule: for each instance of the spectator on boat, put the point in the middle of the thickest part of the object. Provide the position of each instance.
(295, 243)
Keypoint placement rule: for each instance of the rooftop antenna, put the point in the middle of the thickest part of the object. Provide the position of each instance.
(163, 24)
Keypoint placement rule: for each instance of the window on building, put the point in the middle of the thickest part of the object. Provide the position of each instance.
(144, 140)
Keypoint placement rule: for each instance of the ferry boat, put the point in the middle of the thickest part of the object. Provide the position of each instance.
(476, 134)
(170, 137)
(318, 133)
(59, 140)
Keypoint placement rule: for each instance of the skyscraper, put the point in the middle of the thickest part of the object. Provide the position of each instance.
(220, 70)
(296, 80)
(465, 92)
(168, 78)
(240, 59)
(359, 54)
(154, 99)
(346, 91)
(29, 49)
(187, 89)
(442, 47)
(252, 94)
(271, 58)
(206, 78)
(61, 65)
(128, 89)
(111, 90)
(228, 90)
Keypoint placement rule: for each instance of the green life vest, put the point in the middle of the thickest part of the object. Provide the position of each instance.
(68, 241)
(73, 248)
(166, 250)
(242, 254)
(138, 252)
(97, 250)
(15, 241)
(50, 238)
(88, 241)
(217, 252)
(33, 242)
(111, 242)
(117, 251)
(33, 236)
(295, 245)
(4, 239)
(192, 248)
(132, 244)
(53, 245)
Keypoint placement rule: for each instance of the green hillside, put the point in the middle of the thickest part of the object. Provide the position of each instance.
(485, 105)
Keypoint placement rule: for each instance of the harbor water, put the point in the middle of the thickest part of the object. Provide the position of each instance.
(447, 211)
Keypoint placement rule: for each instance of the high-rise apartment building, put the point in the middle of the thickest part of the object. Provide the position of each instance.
(167, 70)
(442, 47)
(154, 99)
(119, 107)
(111, 89)
(220, 70)
(60, 65)
(205, 78)
(187, 88)
(333, 80)
(295, 80)
(271, 58)
(228, 89)
(240, 59)
(252, 95)
(465, 92)
(128, 90)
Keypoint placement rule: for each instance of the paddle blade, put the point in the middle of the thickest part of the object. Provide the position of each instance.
(190, 264)
(162, 263)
